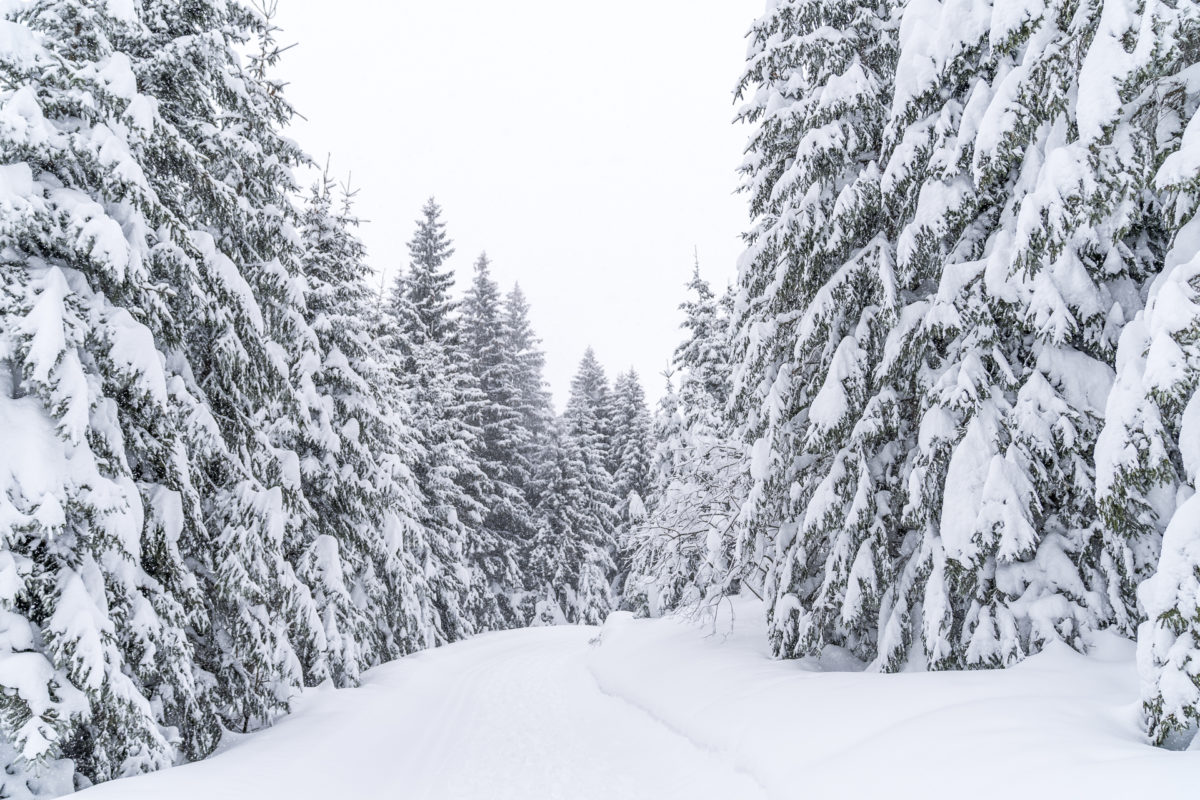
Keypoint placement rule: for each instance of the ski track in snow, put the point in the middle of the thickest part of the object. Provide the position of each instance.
(707, 750)
(507, 715)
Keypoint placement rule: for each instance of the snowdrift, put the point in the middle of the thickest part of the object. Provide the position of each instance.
(1058, 725)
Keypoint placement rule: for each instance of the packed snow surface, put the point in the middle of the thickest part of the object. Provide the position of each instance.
(669, 709)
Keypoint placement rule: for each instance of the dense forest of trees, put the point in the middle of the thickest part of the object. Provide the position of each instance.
(947, 414)
(949, 411)
(228, 469)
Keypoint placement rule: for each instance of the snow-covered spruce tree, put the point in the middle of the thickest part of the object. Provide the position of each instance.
(658, 573)
(816, 298)
(97, 598)
(630, 443)
(1025, 233)
(534, 409)
(443, 398)
(572, 557)
(630, 449)
(533, 398)
(554, 560)
(1148, 455)
(508, 524)
(183, 161)
(590, 386)
(686, 551)
(222, 165)
(535, 446)
(355, 458)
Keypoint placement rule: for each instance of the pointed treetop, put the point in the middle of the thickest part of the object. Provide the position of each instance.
(516, 316)
(516, 309)
(590, 382)
(425, 288)
(698, 285)
(482, 318)
(483, 272)
(430, 247)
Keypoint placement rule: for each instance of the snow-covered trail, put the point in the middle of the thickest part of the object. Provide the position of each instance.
(508, 715)
(663, 709)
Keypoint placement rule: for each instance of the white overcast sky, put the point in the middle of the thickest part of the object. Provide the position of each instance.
(587, 147)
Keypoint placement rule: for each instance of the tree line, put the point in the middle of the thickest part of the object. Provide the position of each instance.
(948, 413)
(228, 468)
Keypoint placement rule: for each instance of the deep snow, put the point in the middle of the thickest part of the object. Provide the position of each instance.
(668, 709)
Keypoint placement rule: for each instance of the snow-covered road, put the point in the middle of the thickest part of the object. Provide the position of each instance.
(508, 715)
(664, 709)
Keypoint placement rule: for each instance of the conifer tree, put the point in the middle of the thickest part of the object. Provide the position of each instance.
(951, 230)
(590, 387)
(355, 459)
(536, 415)
(246, 325)
(531, 361)
(1147, 458)
(572, 556)
(630, 449)
(1028, 212)
(816, 298)
(687, 550)
(427, 285)
(189, 399)
(630, 442)
(444, 399)
(531, 462)
(99, 598)
(508, 523)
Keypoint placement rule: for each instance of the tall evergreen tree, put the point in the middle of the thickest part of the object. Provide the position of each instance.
(444, 399)
(630, 450)
(536, 444)
(228, 172)
(1147, 459)
(178, 311)
(355, 456)
(630, 442)
(572, 556)
(532, 399)
(427, 285)
(686, 551)
(98, 598)
(590, 387)
(817, 295)
(1029, 213)
(508, 523)
(951, 229)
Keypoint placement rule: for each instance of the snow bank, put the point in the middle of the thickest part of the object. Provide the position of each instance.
(1059, 724)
